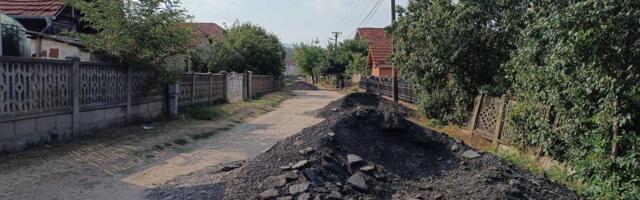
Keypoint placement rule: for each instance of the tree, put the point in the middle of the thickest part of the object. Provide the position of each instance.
(452, 52)
(581, 58)
(248, 47)
(133, 31)
(311, 60)
(357, 51)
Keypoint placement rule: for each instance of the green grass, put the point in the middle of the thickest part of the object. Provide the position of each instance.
(203, 112)
(555, 172)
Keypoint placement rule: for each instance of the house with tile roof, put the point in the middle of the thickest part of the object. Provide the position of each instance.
(207, 34)
(380, 49)
(44, 20)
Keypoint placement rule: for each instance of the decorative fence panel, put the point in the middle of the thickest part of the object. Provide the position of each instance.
(486, 124)
(200, 88)
(32, 86)
(146, 86)
(102, 84)
(48, 100)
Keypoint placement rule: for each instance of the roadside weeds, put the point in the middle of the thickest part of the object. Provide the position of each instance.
(542, 166)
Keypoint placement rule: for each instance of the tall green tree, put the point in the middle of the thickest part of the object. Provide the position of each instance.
(132, 31)
(581, 58)
(311, 60)
(248, 47)
(453, 52)
(356, 51)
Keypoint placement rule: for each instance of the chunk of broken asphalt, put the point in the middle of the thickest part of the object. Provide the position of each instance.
(367, 168)
(268, 194)
(306, 151)
(311, 175)
(470, 154)
(300, 164)
(353, 159)
(358, 181)
(298, 188)
(290, 176)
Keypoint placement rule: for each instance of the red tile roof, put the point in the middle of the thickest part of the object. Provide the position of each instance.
(380, 48)
(373, 35)
(34, 8)
(380, 54)
(211, 30)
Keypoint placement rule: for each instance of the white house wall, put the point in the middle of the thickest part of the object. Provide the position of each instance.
(65, 50)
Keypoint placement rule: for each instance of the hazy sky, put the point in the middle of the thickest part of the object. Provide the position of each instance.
(295, 20)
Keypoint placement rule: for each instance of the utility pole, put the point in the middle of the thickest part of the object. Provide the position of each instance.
(335, 37)
(394, 80)
(339, 78)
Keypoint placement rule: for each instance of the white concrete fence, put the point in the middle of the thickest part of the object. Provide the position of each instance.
(43, 101)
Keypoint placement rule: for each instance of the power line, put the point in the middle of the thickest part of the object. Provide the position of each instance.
(368, 16)
(349, 13)
(373, 11)
(359, 15)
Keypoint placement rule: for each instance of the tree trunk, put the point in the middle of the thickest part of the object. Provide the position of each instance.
(616, 130)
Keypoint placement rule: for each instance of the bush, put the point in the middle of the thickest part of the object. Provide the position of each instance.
(581, 59)
(452, 52)
(248, 47)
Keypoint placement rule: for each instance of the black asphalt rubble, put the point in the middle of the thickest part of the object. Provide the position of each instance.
(366, 149)
(369, 151)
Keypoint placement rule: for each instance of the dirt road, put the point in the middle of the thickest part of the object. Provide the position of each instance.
(123, 168)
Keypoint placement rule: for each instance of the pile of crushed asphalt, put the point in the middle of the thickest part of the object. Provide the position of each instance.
(301, 85)
(361, 100)
(367, 150)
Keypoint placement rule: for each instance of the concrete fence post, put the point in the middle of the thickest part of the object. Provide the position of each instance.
(210, 87)
(249, 88)
(172, 97)
(129, 92)
(224, 86)
(193, 88)
(75, 94)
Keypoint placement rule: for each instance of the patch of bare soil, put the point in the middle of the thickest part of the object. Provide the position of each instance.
(301, 85)
(371, 153)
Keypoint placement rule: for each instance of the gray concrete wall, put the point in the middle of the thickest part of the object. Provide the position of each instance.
(17, 134)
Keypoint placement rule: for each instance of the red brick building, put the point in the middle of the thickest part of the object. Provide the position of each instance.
(379, 58)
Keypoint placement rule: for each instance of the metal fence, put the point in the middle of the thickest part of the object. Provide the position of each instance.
(384, 87)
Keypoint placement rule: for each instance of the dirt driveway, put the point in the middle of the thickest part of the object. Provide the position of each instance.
(123, 168)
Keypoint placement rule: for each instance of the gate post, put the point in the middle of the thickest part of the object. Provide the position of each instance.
(499, 120)
(476, 113)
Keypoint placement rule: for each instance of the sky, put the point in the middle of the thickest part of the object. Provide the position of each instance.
(295, 21)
